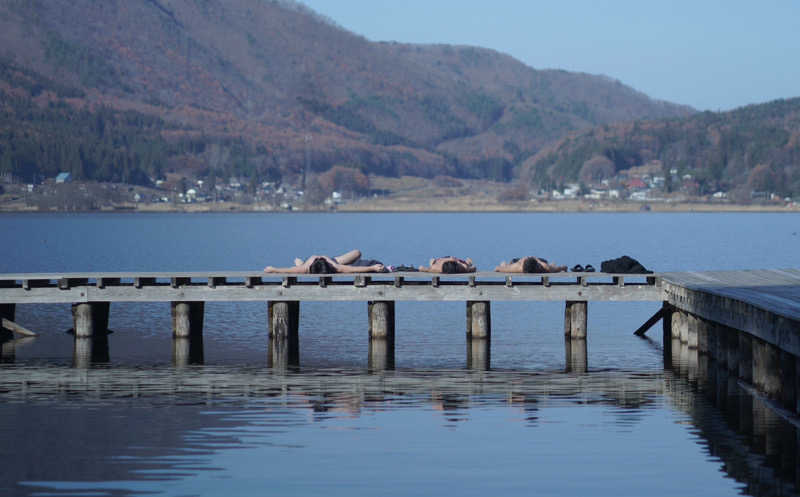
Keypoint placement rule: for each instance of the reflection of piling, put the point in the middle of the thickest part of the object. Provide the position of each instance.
(90, 350)
(7, 311)
(479, 354)
(6, 336)
(381, 354)
(577, 360)
(755, 445)
(187, 351)
(8, 350)
(666, 332)
(282, 354)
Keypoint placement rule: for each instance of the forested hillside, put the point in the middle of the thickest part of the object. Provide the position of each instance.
(127, 90)
(754, 148)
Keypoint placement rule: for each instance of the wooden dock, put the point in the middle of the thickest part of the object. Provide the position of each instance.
(746, 322)
(750, 320)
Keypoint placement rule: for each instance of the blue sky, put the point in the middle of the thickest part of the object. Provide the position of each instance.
(710, 54)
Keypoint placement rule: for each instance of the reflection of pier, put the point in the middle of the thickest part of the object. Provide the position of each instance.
(757, 446)
(226, 385)
(754, 446)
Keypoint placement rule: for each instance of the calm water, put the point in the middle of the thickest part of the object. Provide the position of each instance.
(133, 423)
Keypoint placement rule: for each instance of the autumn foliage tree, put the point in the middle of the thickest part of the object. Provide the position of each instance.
(596, 169)
(344, 179)
(764, 178)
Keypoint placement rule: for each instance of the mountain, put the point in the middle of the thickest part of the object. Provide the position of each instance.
(131, 89)
(753, 148)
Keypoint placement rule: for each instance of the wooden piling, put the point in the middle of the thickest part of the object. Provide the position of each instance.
(7, 311)
(381, 320)
(666, 331)
(187, 319)
(692, 325)
(679, 323)
(788, 376)
(797, 395)
(575, 319)
(284, 319)
(479, 319)
(703, 331)
(284, 323)
(381, 317)
(712, 340)
(674, 324)
(745, 366)
(766, 368)
(732, 349)
(90, 319)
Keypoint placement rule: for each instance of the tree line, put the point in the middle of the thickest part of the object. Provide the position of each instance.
(756, 147)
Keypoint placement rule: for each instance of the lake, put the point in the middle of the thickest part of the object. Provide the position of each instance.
(134, 422)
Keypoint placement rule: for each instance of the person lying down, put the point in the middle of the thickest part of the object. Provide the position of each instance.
(349, 262)
(529, 264)
(449, 265)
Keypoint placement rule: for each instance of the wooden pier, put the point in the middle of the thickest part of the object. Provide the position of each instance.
(748, 320)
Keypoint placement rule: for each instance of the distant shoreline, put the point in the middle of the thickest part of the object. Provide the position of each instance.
(442, 206)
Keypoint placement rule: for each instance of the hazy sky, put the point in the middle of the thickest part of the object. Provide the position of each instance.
(710, 54)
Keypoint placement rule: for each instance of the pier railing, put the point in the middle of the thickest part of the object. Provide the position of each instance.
(248, 286)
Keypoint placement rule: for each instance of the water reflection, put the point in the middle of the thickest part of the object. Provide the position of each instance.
(9, 345)
(283, 353)
(757, 440)
(741, 435)
(90, 350)
(187, 351)
(755, 446)
(381, 354)
(577, 358)
(478, 353)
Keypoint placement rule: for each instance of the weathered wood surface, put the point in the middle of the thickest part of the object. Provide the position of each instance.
(249, 286)
(774, 290)
(763, 303)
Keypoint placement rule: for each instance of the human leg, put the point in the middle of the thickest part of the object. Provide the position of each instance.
(349, 257)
